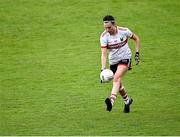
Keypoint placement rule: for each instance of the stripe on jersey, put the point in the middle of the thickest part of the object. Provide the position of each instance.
(117, 45)
(103, 46)
(132, 35)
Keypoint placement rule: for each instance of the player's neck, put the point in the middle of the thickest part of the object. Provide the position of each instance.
(115, 31)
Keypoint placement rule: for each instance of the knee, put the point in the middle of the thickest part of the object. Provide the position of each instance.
(117, 79)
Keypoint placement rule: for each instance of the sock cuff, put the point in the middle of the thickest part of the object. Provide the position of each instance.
(121, 88)
(114, 95)
(125, 96)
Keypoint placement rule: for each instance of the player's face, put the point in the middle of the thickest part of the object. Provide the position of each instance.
(109, 27)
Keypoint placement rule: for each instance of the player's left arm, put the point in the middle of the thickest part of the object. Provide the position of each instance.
(136, 39)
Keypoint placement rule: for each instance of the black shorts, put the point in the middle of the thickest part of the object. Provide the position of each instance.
(126, 62)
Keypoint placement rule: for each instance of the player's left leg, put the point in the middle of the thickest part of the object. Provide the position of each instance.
(127, 100)
(124, 94)
(121, 70)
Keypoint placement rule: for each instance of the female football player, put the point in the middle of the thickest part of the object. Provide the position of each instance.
(115, 39)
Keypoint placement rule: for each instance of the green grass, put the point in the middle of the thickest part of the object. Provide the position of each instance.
(50, 64)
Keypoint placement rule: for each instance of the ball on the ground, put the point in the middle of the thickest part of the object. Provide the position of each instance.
(106, 75)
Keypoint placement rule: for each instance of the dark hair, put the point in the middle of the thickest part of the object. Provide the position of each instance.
(109, 18)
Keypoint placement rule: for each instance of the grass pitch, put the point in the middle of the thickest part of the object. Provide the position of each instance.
(50, 65)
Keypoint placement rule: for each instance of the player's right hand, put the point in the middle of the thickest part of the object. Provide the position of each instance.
(100, 72)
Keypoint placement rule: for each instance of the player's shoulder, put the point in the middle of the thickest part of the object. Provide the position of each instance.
(122, 28)
(104, 34)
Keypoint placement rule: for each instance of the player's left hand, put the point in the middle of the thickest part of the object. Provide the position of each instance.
(137, 58)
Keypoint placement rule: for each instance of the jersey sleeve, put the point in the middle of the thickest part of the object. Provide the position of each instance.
(103, 42)
(128, 33)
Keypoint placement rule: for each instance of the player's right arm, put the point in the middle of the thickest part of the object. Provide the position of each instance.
(104, 43)
(103, 58)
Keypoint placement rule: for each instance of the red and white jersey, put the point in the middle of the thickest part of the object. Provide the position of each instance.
(117, 44)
